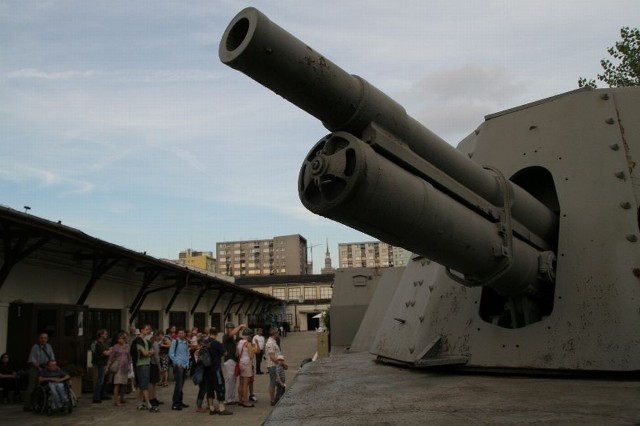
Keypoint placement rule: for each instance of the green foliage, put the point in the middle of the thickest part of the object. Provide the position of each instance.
(626, 71)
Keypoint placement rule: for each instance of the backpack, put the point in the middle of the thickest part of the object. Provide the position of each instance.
(204, 357)
(133, 350)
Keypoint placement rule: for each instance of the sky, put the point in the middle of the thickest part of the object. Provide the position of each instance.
(117, 117)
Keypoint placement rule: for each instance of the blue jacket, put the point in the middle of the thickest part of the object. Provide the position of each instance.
(179, 353)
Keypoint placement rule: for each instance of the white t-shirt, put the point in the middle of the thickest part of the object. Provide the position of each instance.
(258, 341)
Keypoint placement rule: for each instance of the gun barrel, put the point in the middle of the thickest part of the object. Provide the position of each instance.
(276, 59)
(270, 55)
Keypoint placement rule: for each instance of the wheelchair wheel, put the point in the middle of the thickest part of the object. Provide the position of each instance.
(73, 401)
(40, 401)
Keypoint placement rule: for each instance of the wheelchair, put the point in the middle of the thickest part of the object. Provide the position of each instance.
(42, 401)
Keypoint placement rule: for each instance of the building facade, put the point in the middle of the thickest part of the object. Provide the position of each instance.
(197, 259)
(282, 255)
(302, 297)
(372, 254)
(401, 257)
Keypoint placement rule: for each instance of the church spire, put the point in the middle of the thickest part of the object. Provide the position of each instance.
(328, 268)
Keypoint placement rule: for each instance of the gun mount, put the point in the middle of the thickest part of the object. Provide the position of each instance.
(504, 215)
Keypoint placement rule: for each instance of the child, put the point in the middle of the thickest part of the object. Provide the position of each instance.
(281, 386)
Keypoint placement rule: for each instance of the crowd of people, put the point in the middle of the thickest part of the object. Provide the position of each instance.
(223, 367)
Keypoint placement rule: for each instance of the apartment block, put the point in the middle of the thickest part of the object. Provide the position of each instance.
(197, 259)
(401, 256)
(282, 255)
(373, 254)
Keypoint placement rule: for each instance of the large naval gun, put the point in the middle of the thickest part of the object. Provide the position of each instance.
(525, 238)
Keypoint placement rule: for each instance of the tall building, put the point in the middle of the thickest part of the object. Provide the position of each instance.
(401, 256)
(283, 255)
(373, 254)
(197, 259)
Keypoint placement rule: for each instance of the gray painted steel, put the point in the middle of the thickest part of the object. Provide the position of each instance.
(353, 289)
(534, 220)
(373, 317)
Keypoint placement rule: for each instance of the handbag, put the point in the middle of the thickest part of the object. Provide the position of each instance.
(198, 376)
(236, 371)
(114, 366)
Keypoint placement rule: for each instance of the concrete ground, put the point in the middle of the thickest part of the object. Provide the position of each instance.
(296, 347)
(354, 389)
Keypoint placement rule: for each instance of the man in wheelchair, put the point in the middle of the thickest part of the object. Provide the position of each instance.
(56, 379)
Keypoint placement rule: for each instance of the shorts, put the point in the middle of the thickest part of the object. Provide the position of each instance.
(246, 369)
(272, 377)
(154, 374)
(143, 374)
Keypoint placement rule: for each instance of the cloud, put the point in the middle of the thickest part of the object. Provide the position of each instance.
(43, 178)
(453, 102)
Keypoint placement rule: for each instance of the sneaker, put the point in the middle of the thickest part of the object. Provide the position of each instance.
(97, 401)
(253, 398)
(142, 407)
(183, 405)
(225, 413)
(154, 409)
(176, 407)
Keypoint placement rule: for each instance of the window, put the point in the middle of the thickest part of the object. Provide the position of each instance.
(95, 319)
(199, 320)
(179, 319)
(309, 293)
(295, 293)
(148, 317)
(278, 292)
(326, 292)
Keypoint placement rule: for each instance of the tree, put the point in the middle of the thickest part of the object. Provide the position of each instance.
(627, 71)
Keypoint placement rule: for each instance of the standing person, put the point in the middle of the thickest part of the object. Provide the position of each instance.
(230, 360)
(213, 375)
(143, 369)
(281, 384)
(245, 358)
(41, 353)
(154, 370)
(199, 354)
(165, 344)
(100, 357)
(179, 355)
(258, 341)
(272, 350)
(120, 361)
(8, 379)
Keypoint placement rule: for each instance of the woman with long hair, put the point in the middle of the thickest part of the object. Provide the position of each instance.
(245, 358)
(119, 365)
